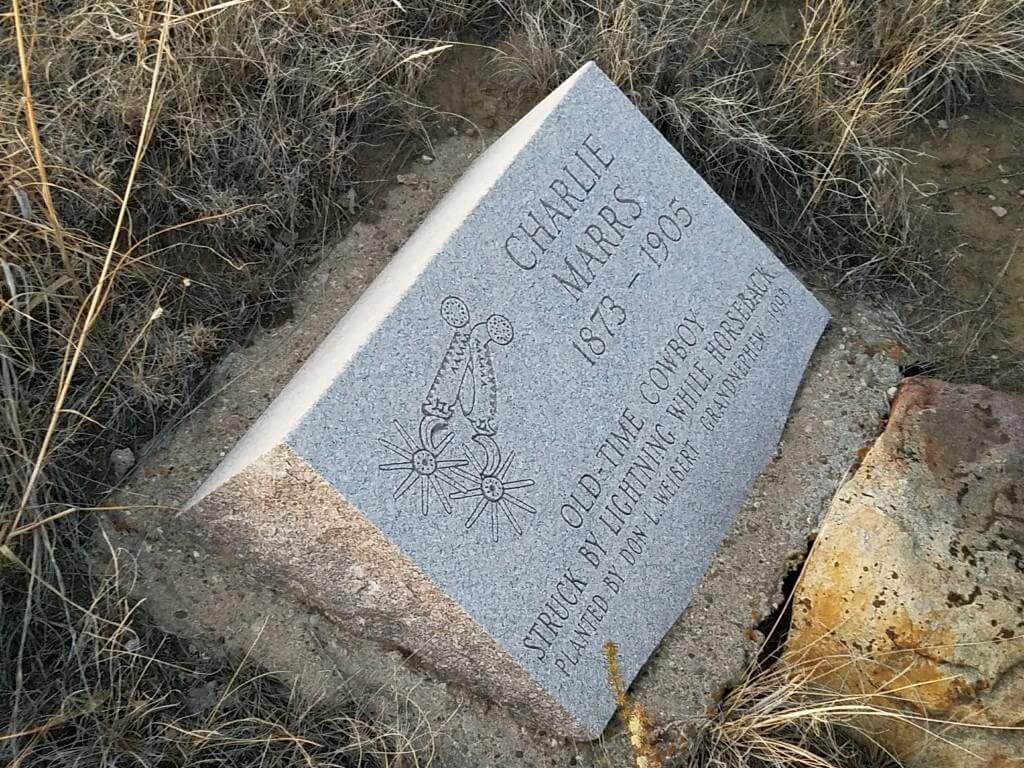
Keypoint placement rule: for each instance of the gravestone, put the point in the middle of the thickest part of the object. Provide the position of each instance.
(530, 434)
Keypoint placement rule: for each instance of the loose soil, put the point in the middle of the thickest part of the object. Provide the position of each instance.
(970, 174)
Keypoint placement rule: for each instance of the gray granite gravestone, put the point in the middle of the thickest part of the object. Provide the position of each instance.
(532, 431)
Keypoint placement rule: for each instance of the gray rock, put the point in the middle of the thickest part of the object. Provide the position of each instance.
(121, 461)
(708, 649)
(229, 610)
(531, 434)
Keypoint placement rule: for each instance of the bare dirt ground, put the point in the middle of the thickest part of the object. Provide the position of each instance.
(971, 176)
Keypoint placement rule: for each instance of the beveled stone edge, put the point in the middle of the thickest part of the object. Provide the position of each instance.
(377, 590)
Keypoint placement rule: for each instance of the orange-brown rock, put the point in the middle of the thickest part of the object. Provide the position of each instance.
(913, 595)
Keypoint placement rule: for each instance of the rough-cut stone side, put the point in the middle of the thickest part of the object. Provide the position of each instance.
(292, 529)
(915, 586)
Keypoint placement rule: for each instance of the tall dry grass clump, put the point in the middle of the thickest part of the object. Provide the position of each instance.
(160, 164)
(803, 139)
(785, 717)
(790, 714)
(252, 143)
(101, 686)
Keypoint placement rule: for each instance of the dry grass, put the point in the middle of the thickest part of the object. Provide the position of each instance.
(803, 139)
(784, 716)
(787, 712)
(254, 127)
(100, 686)
(164, 163)
(634, 715)
(790, 714)
(160, 162)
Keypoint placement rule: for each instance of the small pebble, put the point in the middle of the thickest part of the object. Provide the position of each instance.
(890, 394)
(991, 197)
(427, 159)
(121, 461)
(943, 124)
(410, 179)
(999, 211)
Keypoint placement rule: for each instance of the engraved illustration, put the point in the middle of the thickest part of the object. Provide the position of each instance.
(464, 383)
